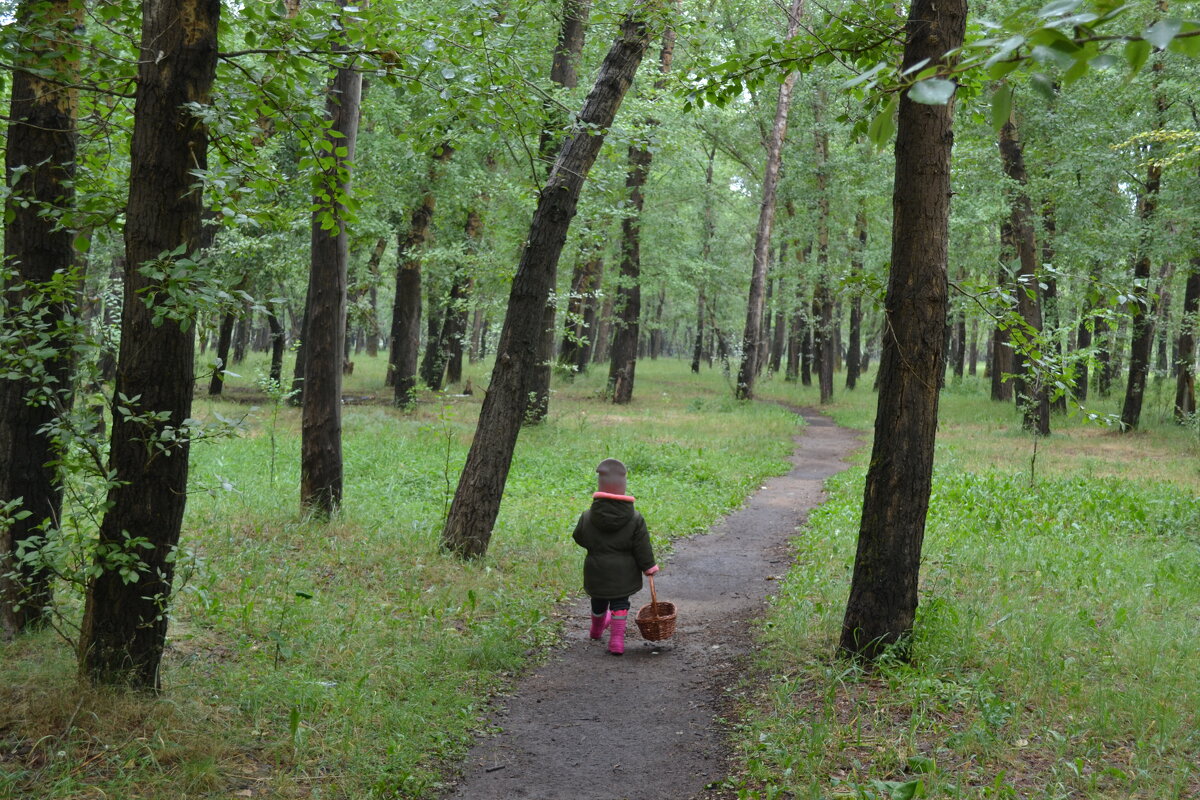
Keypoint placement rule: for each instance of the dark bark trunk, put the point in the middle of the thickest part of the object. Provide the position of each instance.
(604, 324)
(1141, 313)
(657, 333)
(125, 620)
(324, 338)
(622, 368)
(563, 73)
(1185, 363)
(241, 338)
(973, 348)
(883, 592)
(824, 342)
(854, 351)
(744, 390)
(1031, 391)
(709, 229)
(433, 363)
(404, 341)
(477, 499)
(454, 327)
(224, 341)
(277, 342)
(588, 330)
(39, 171)
(296, 395)
(1002, 354)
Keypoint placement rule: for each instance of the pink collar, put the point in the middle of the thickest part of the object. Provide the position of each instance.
(607, 496)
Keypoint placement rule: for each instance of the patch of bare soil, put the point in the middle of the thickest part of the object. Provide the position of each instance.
(590, 726)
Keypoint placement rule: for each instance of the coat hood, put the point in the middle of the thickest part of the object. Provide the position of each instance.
(611, 512)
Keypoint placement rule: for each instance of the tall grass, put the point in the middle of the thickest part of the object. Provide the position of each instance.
(1055, 641)
(355, 659)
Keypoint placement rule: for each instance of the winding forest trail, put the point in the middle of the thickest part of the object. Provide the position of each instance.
(589, 726)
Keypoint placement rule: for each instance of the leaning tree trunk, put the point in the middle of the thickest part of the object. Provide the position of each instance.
(324, 337)
(883, 591)
(39, 170)
(627, 322)
(744, 390)
(125, 618)
(481, 484)
(1185, 358)
(1031, 388)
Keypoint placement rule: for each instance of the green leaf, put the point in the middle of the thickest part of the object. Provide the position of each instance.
(1105, 61)
(1136, 53)
(1001, 106)
(1043, 85)
(1000, 69)
(932, 91)
(883, 126)
(1058, 7)
(1162, 32)
(1077, 71)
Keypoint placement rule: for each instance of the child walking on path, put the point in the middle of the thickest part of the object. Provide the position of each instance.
(618, 553)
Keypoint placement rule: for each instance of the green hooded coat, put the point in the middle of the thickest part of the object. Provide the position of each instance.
(618, 547)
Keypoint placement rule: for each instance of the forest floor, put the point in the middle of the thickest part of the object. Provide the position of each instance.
(654, 723)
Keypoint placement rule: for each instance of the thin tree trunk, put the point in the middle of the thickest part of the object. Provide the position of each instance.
(277, 342)
(708, 231)
(744, 390)
(477, 499)
(622, 367)
(824, 340)
(973, 348)
(854, 353)
(1031, 391)
(125, 618)
(1002, 354)
(1142, 317)
(883, 592)
(39, 172)
(563, 72)
(324, 337)
(1185, 359)
(404, 345)
(372, 324)
(224, 342)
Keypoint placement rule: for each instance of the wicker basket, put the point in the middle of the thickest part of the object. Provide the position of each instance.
(655, 620)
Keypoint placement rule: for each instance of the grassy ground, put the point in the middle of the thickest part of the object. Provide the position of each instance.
(354, 659)
(1055, 650)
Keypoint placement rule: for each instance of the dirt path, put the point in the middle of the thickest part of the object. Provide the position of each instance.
(589, 726)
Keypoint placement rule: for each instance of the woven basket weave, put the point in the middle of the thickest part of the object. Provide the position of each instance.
(655, 620)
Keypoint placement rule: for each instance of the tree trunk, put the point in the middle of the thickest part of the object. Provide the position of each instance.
(454, 326)
(324, 338)
(224, 342)
(372, 323)
(1185, 359)
(404, 345)
(883, 592)
(40, 171)
(1142, 317)
(1031, 391)
(1002, 353)
(854, 352)
(708, 231)
(744, 390)
(277, 342)
(563, 73)
(627, 322)
(481, 484)
(433, 363)
(604, 336)
(125, 619)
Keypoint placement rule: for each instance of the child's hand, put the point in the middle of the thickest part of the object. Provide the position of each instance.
(652, 570)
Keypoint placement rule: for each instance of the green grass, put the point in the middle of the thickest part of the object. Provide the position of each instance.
(355, 659)
(1055, 643)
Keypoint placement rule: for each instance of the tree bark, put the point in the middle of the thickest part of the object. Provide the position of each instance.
(404, 342)
(1031, 391)
(325, 335)
(39, 172)
(708, 231)
(224, 342)
(563, 72)
(744, 390)
(883, 592)
(1185, 359)
(277, 342)
(1002, 354)
(481, 484)
(627, 322)
(854, 352)
(1142, 316)
(125, 621)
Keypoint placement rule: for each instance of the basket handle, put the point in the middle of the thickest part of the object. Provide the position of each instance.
(653, 596)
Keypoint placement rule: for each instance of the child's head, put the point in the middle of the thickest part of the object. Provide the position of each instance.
(611, 476)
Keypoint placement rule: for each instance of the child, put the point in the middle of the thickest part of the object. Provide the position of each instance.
(618, 553)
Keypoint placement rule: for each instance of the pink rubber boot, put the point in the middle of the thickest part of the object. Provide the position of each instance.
(616, 635)
(599, 623)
